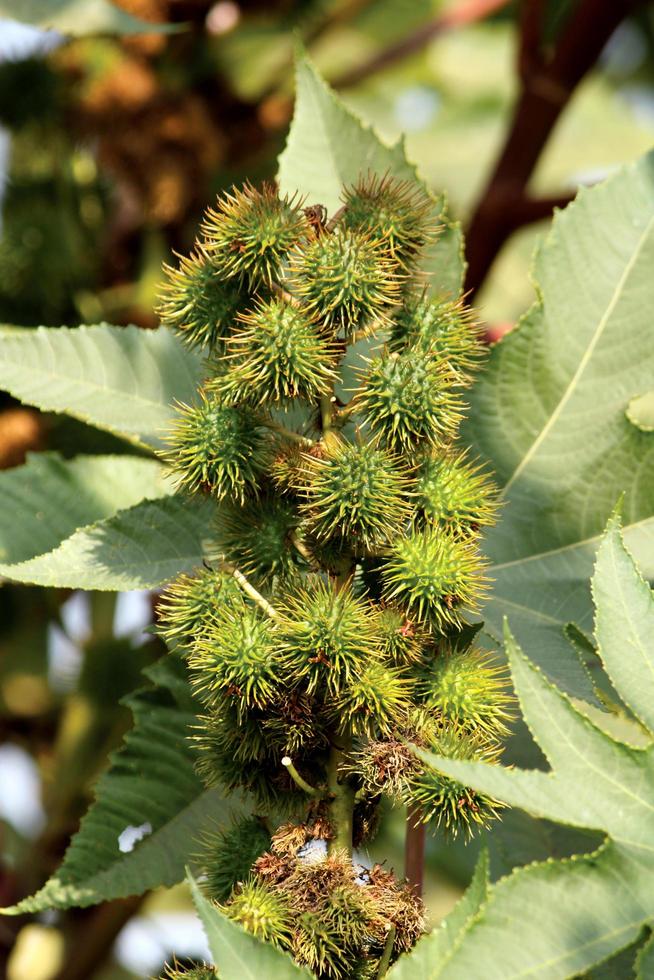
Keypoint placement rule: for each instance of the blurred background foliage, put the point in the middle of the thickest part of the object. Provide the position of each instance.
(110, 148)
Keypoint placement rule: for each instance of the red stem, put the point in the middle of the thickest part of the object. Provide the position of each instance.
(546, 90)
(414, 850)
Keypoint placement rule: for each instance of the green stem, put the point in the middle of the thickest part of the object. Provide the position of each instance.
(249, 589)
(298, 779)
(326, 412)
(289, 434)
(385, 961)
(341, 807)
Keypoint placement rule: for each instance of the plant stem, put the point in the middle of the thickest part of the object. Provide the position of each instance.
(414, 850)
(289, 434)
(298, 779)
(249, 589)
(385, 961)
(341, 806)
(547, 86)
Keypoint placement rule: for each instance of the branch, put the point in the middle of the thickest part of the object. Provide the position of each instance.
(462, 13)
(546, 90)
(414, 850)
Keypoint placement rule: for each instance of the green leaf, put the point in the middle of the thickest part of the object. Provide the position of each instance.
(47, 499)
(78, 17)
(640, 412)
(549, 416)
(624, 625)
(122, 379)
(425, 960)
(571, 914)
(151, 780)
(238, 954)
(328, 146)
(138, 548)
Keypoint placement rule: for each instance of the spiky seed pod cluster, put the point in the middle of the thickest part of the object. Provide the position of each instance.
(333, 917)
(328, 633)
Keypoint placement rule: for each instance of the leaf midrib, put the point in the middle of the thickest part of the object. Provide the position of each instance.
(569, 391)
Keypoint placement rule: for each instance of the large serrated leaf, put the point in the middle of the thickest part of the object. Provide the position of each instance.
(78, 17)
(137, 548)
(556, 919)
(49, 498)
(549, 416)
(424, 962)
(150, 784)
(121, 379)
(328, 147)
(238, 954)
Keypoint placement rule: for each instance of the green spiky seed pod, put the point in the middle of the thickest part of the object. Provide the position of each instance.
(434, 575)
(469, 690)
(218, 448)
(447, 804)
(261, 911)
(228, 856)
(317, 947)
(236, 659)
(376, 700)
(196, 303)
(193, 973)
(455, 494)
(440, 326)
(357, 491)
(235, 753)
(256, 537)
(277, 353)
(251, 231)
(326, 636)
(187, 606)
(397, 213)
(409, 399)
(404, 640)
(346, 279)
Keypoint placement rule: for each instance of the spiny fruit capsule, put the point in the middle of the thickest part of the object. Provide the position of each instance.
(409, 399)
(236, 659)
(376, 699)
(466, 688)
(256, 537)
(265, 913)
(277, 353)
(197, 303)
(251, 231)
(228, 855)
(455, 494)
(435, 576)
(440, 326)
(358, 491)
(219, 448)
(326, 636)
(447, 803)
(398, 214)
(187, 606)
(346, 279)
